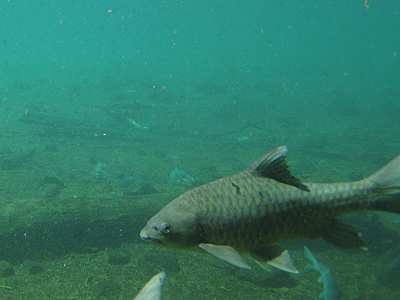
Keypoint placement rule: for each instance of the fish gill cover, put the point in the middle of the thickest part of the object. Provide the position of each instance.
(109, 109)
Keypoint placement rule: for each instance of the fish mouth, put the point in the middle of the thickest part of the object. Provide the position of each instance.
(143, 235)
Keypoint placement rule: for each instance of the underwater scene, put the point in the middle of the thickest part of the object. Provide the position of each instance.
(206, 149)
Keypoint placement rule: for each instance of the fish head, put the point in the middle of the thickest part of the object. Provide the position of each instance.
(174, 225)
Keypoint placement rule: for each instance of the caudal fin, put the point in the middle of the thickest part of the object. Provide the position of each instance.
(387, 183)
(388, 178)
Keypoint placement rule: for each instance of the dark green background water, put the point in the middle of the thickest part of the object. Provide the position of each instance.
(101, 100)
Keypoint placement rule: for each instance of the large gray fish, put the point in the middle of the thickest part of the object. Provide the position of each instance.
(251, 211)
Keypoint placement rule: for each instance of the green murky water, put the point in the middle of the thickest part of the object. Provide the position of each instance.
(110, 109)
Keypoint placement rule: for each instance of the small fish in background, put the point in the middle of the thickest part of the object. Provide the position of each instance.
(242, 138)
(330, 288)
(252, 211)
(152, 289)
(145, 188)
(136, 124)
(180, 177)
(99, 171)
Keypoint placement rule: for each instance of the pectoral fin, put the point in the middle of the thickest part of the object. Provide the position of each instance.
(274, 256)
(227, 254)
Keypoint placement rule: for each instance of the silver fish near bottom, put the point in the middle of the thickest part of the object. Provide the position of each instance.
(250, 212)
(152, 289)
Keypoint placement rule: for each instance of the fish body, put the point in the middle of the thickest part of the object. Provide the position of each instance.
(234, 210)
(152, 289)
(253, 210)
(330, 288)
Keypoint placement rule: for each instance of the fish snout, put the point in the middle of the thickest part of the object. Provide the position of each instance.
(144, 236)
(148, 237)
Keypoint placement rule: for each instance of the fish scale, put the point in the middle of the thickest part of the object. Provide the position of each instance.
(219, 207)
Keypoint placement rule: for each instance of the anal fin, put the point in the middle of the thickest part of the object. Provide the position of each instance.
(226, 253)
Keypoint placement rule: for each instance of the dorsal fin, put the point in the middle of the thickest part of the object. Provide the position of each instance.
(274, 165)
